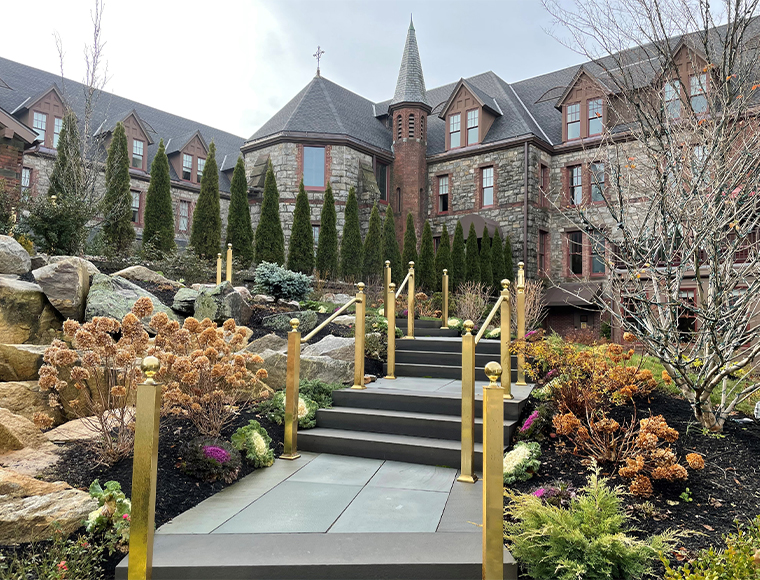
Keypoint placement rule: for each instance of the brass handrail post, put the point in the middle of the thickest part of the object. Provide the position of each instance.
(410, 304)
(144, 469)
(493, 477)
(218, 268)
(386, 284)
(361, 307)
(521, 324)
(390, 313)
(445, 309)
(292, 379)
(467, 474)
(506, 339)
(229, 262)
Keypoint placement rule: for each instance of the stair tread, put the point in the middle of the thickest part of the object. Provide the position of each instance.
(369, 436)
(402, 414)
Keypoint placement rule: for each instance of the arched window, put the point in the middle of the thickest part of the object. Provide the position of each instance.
(411, 125)
(398, 127)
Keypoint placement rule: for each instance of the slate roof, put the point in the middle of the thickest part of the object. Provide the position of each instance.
(27, 83)
(410, 86)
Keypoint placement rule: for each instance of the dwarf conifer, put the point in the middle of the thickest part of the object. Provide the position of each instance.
(351, 243)
(391, 253)
(426, 272)
(269, 241)
(409, 253)
(497, 260)
(118, 231)
(301, 247)
(206, 236)
(443, 259)
(158, 233)
(239, 228)
(327, 246)
(372, 260)
(509, 268)
(473, 256)
(458, 262)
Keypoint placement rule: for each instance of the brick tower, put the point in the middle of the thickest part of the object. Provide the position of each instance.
(408, 113)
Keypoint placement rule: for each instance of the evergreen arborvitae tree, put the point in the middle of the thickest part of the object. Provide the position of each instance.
(351, 243)
(206, 236)
(509, 268)
(301, 247)
(426, 272)
(409, 254)
(327, 248)
(269, 241)
(473, 256)
(486, 274)
(372, 259)
(458, 263)
(497, 260)
(443, 259)
(391, 252)
(158, 231)
(239, 228)
(118, 231)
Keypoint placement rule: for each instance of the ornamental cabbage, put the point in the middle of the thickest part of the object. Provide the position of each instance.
(254, 442)
(521, 462)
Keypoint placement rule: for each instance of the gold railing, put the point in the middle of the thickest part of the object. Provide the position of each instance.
(390, 313)
(521, 324)
(409, 283)
(493, 478)
(292, 377)
(219, 266)
(445, 305)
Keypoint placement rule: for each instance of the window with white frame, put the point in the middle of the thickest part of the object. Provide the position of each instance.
(597, 181)
(443, 193)
(573, 117)
(184, 216)
(57, 126)
(670, 94)
(472, 127)
(454, 130)
(135, 207)
(595, 117)
(698, 90)
(187, 166)
(137, 153)
(597, 253)
(576, 185)
(26, 180)
(199, 169)
(39, 124)
(487, 186)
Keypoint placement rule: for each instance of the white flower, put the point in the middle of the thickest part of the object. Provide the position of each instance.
(514, 457)
(454, 322)
(259, 444)
(303, 410)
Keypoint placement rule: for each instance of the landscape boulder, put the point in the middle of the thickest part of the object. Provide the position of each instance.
(335, 347)
(245, 293)
(14, 259)
(184, 301)
(31, 510)
(267, 342)
(114, 296)
(345, 320)
(281, 321)
(220, 303)
(20, 362)
(323, 368)
(263, 299)
(66, 284)
(91, 268)
(25, 398)
(39, 260)
(143, 274)
(18, 432)
(339, 299)
(26, 315)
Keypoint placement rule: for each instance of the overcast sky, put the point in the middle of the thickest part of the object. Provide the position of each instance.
(233, 64)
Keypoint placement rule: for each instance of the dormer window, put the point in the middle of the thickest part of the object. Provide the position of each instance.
(187, 167)
(472, 127)
(454, 130)
(698, 86)
(39, 124)
(199, 169)
(672, 100)
(411, 125)
(573, 116)
(137, 153)
(57, 126)
(595, 117)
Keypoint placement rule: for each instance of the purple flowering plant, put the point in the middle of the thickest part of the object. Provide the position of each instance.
(216, 453)
(210, 459)
(529, 421)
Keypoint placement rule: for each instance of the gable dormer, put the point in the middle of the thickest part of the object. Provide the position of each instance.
(468, 114)
(584, 105)
(187, 155)
(138, 138)
(44, 113)
(685, 85)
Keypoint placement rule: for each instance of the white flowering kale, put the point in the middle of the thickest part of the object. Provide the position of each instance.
(521, 462)
(254, 442)
(307, 411)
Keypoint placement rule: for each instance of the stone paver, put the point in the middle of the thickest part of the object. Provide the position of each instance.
(411, 476)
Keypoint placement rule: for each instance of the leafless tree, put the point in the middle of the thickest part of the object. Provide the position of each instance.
(677, 215)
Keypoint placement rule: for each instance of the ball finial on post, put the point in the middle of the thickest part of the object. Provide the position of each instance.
(493, 372)
(294, 324)
(505, 284)
(468, 326)
(411, 265)
(150, 366)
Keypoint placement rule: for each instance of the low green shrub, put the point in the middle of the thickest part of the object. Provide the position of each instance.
(376, 346)
(112, 518)
(274, 410)
(587, 540)
(318, 391)
(254, 442)
(739, 560)
(380, 324)
(521, 462)
(280, 282)
(210, 459)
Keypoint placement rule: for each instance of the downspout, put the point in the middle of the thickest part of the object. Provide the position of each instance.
(525, 206)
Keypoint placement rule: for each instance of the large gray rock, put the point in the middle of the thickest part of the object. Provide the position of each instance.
(336, 298)
(345, 320)
(281, 322)
(20, 362)
(31, 510)
(184, 301)
(18, 432)
(323, 368)
(25, 398)
(26, 315)
(66, 284)
(115, 296)
(91, 268)
(220, 303)
(14, 259)
(39, 260)
(143, 274)
(333, 346)
(267, 342)
(263, 299)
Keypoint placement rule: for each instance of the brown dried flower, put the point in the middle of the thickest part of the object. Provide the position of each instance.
(695, 460)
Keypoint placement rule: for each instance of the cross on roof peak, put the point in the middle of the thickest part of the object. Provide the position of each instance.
(318, 56)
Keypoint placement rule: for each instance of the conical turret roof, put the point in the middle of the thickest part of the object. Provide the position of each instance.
(410, 87)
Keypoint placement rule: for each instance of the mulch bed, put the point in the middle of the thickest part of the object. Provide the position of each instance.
(725, 491)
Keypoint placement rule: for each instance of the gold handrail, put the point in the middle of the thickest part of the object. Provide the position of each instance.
(401, 288)
(488, 320)
(329, 319)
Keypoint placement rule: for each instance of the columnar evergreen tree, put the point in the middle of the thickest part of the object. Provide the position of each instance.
(158, 231)
(473, 256)
(372, 260)
(239, 228)
(443, 259)
(426, 272)
(509, 268)
(486, 274)
(269, 241)
(351, 243)
(391, 252)
(409, 253)
(301, 247)
(458, 263)
(118, 231)
(206, 235)
(497, 260)
(327, 247)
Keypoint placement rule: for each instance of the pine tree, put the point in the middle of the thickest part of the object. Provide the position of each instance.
(509, 268)
(409, 254)
(458, 263)
(473, 256)
(391, 253)
(239, 229)
(372, 259)
(301, 247)
(327, 248)
(497, 260)
(269, 241)
(426, 272)
(486, 274)
(351, 243)
(206, 236)
(158, 232)
(118, 231)
(443, 259)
